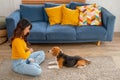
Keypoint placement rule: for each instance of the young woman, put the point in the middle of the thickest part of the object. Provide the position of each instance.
(24, 60)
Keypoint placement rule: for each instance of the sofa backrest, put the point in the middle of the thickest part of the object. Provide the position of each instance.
(38, 13)
(32, 12)
(74, 4)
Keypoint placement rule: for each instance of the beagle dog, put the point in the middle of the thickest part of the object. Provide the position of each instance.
(66, 60)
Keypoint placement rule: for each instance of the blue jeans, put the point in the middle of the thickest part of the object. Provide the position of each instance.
(21, 66)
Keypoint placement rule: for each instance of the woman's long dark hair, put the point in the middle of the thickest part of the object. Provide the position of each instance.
(18, 31)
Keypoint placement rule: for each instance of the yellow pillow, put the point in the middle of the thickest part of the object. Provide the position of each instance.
(69, 16)
(54, 14)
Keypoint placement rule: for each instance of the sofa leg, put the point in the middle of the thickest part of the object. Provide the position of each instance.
(98, 43)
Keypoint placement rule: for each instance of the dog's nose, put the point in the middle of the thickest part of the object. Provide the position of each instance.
(49, 51)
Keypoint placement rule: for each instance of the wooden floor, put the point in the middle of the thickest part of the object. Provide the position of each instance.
(83, 49)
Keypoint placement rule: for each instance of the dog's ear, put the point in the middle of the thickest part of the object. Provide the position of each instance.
(55, 51)
(61, 50)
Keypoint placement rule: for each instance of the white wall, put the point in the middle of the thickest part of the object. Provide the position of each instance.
(7, 6)
(113, 6)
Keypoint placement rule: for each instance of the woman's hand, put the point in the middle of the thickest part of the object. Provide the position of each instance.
(31, 60)
(31, 50)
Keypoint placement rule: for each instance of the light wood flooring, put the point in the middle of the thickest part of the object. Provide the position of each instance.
(83, 49)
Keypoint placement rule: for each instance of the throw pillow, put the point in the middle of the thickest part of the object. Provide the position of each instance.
(54, 14)
(69, 16)
(32, 12)
(50, 4)
(89, 15)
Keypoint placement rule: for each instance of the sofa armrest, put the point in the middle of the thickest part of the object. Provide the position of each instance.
(108, 20)
(11, 22)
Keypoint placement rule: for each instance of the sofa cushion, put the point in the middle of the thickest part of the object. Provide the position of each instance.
(48, 5)
(54, 14)
(61, 33)
(73, 5)
(69, 16)
(38, 31)
(90, 33)
(32, 12)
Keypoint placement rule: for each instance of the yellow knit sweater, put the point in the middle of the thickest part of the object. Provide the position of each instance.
(19, 49)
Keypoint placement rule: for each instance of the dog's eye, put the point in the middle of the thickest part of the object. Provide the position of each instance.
(53, 48)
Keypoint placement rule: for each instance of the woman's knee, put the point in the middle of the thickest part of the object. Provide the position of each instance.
(39, 56)
(42, 54)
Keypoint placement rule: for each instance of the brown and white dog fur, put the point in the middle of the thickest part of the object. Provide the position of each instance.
(66, 60)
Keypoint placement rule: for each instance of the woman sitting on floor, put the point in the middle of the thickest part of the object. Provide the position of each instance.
(24, 60)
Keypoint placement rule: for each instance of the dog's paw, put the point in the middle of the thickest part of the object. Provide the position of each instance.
(49, 67)
(53, 67)
(52, 62)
